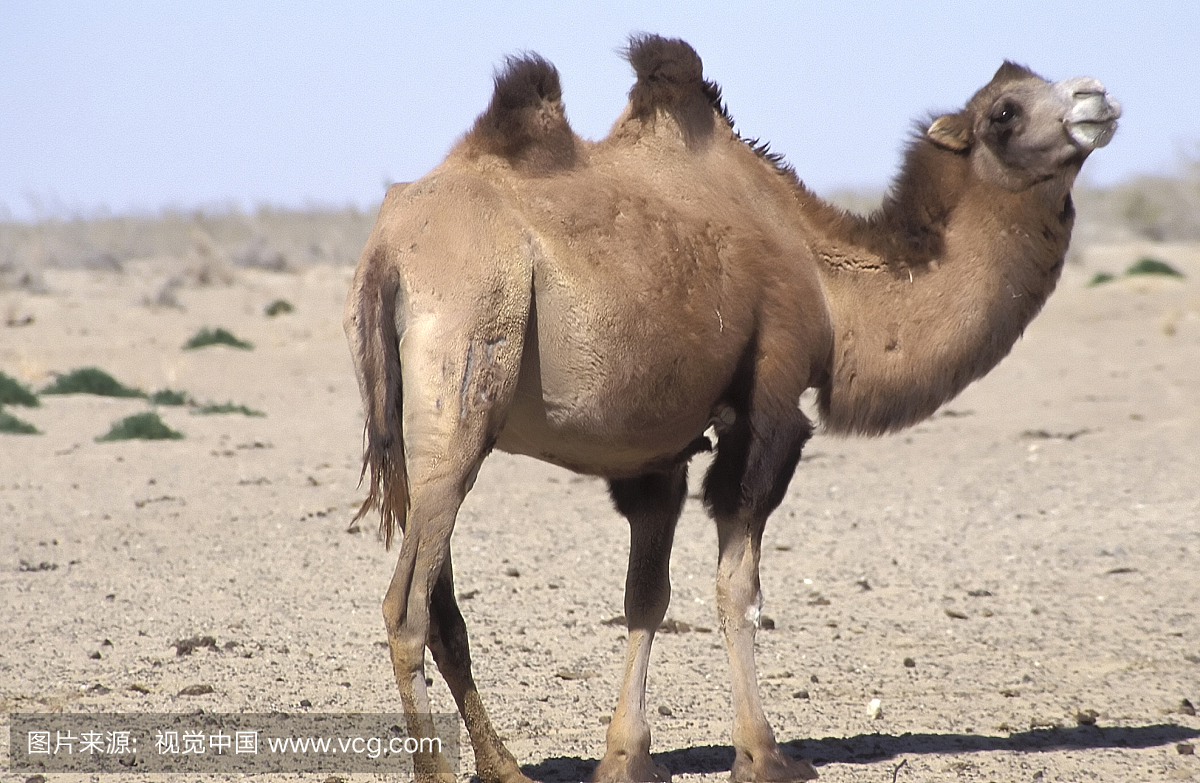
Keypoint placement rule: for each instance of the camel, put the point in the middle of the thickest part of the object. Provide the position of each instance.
(602, 305)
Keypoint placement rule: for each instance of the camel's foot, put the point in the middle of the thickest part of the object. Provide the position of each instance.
(432, 768)
(623, 767)
(773, 766)
(499, 769)
(435, 777)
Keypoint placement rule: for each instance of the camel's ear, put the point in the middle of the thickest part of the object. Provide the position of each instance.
(1012, 72)
(950, 131)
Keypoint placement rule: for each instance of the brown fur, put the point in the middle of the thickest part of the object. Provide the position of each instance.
(669, 74)
(601, 305)
(936, 192)
(525, 122)
(670, 79)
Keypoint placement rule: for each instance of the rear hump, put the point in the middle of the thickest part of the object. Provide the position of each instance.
(526, 123)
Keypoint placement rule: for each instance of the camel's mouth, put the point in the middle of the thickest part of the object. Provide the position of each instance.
(1092, 114)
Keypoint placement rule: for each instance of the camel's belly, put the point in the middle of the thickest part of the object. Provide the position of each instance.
(615, 435)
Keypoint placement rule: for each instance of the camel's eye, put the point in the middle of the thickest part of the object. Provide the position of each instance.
(1005, 113)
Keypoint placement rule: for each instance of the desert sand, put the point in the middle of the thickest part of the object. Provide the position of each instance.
(1016, 580)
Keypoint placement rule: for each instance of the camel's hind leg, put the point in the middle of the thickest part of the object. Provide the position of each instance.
(457, 387)
(425, 547)
(754, 462)
(652, 503)
(424, 555)
(452, 653)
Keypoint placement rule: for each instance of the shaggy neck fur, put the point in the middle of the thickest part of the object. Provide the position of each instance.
(932, 290)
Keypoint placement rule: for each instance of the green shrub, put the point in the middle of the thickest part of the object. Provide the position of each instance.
(279, 307)
(1152, 266)
(1143, 266)
(227, 407)
(91, 380)
(140, 426)
(206, 337)
(169, 397)
(13, 392)
(12, 425)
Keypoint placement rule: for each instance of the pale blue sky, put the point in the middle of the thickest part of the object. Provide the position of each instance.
(138, 105)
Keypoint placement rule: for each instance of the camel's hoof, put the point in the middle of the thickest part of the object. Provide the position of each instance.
(771, 767)
(622, 768)
(506, 774)
(496, 765)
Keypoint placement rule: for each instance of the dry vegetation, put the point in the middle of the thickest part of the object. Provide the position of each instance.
(210, 246)
(1157, 208)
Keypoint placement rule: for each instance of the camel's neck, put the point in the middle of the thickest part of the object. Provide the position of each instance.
(932, 291)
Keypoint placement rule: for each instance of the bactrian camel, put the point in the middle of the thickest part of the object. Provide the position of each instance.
(601, 305)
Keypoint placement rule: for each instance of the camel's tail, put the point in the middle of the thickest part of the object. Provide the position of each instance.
(374, 340)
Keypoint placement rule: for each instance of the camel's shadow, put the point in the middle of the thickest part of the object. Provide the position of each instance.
(869, 748)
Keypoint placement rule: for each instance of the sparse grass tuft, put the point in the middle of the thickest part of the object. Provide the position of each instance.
(1152, 266)
(140, 426)
(91, 380)
(279, 307)
(219, 336)
(13, 392)
(169, 397)
(11, 425)
(1143, 266)
(227, 407)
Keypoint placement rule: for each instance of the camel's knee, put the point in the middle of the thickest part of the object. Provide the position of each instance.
(646, 608)
(393, 615)
(407, 634)
(739, 611)
(406, 642)
(418, 567)
(739, 594)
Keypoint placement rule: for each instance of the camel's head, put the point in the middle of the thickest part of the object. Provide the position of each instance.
(1021, 129)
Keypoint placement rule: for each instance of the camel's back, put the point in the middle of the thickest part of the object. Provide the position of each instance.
(672, 226)
(653, 262)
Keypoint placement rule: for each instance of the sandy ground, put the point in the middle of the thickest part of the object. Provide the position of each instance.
(1034, 549)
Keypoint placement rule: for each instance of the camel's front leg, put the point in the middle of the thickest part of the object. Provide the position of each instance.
(652, 504)
(739, 602)
(749, 476)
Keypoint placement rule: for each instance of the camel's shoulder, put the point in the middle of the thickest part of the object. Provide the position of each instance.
(455, 189)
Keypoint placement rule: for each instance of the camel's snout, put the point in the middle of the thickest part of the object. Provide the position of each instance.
(1091, 117)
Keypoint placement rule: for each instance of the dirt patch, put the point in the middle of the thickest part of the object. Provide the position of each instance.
(1008, 591)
